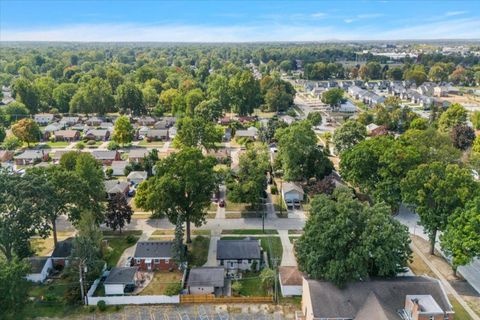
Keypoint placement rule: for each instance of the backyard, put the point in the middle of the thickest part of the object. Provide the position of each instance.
(160, 282)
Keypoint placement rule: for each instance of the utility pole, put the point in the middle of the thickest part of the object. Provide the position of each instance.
(275, 268)
(81, 265)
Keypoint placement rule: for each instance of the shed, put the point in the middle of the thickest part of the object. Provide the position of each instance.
(292, 192)
(206, 280)
(290, 281)
(39, 268)
(119, 279)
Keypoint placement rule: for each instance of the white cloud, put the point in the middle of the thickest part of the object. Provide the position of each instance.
(455, 13)
(349, 20)
(318, 14)
(369, 15)
(264, 31)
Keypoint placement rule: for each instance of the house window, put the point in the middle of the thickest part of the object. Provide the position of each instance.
(137, 261)
(156, 260)
(239, 261)
(231, 264)
(221, 262)
(167, 261)
(249, 260)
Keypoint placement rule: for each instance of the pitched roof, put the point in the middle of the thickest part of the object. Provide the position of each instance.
(157, 133)
(328, 301)
(63, 248)
(153, 249)
(137, 153)
(290, 186)
(104, 154)
(206, 276)
(121, 275)
(119, 164)
(31, 154)
(238, 249)
(137, 175)
(37, 264)
(115, 186)
(290, 276)
(66, 133)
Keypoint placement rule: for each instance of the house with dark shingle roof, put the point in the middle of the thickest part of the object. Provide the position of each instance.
(106, 156)
(120, 280)
(62, 252)
(40, 268)
(206, 280)
(239, 255)
(113, 187)
(399, 298)
(154, 255)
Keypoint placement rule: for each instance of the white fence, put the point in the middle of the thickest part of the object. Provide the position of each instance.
(114, 300)
(135, 300)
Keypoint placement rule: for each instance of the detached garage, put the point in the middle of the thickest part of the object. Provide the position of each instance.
(120, 280)
(290, 281)
(292, 192)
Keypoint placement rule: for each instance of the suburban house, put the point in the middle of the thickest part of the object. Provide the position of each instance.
(50, 129)
(94, 121)
(57, 155)
(157, 134)
(142, 132)
(154, 255)
(400, 298)
(112, 187)
(106, 157)
(221, 155)
(120, 280)
(146, 121)
(162, 124)
(43, 118)
(6, 155)
(30, 156)
(106, 125)
(97, 134)
(137, 177)
(292, 192)
(251, 133)
(239, 255)
(118, 167)
(69, 121)
(206, 280)
(67, 135)
(40, 268)
(137, 155)
(62, 252)
(291, 281)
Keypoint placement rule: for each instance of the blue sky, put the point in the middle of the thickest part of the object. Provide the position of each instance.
(237, 21)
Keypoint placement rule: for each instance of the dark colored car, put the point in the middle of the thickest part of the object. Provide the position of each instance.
(221, 203)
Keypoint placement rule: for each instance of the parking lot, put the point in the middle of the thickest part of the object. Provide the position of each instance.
(195, 312)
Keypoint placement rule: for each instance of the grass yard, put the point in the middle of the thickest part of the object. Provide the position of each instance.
(58, 144)
(198, 251)
(295, 231)
(460, 313)
(249, 231)
(251, 285)
(44, 247)
(117, 244)
(163, 232)
(419, 267)
(160, 281)
(152, 144)
(293, 239)
(238, 215)
(212, 207)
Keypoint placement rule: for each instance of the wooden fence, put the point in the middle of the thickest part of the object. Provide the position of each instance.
(210, 298)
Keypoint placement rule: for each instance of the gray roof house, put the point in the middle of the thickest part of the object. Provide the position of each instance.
(408, 297)
(119, 279)
(153, 249)
(136, 155)
(112, 187)
(239, 255)
(137, 176)
(206, 280)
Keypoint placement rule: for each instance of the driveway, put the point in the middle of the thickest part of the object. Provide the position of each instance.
(212, 251)
(288, 256)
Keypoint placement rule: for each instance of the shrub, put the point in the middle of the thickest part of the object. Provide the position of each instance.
(102, 306)
(236, 287)
(112, 145)
(273, 189)
(91, 142)
(131, 239)
(109, 172)
(11, 143)
(173, 289)
(80, 145)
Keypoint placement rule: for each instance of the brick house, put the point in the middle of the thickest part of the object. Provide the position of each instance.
(6, 155)
(67, 135)
(106, 157)
(137, 155)
(31, 156)
(239, 255)
(154, 255)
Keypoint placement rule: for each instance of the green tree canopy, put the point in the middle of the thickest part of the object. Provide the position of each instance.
(455, 114)
(346, 240)
(348, 135)
(182, 187)
(123, 131)
(130, 99)
(197, 132)
(333, 97)
(27, 131)
(14, 287)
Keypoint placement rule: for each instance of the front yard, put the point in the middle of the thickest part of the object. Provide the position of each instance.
(161, 280)
(198, 251)
(117, 244)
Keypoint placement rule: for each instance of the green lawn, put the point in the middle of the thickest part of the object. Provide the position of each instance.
(198, 251)
(295, 231)
(144, 143)
(249, 231)
(251, 285)
(58, 144)
(117, 245)
(460, 313)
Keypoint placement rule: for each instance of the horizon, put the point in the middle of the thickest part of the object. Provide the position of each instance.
(238, 22)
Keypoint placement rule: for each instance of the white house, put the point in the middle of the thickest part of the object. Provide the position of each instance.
(118, 167)
(206, 280)
(43, 118)
(347, 107)
(291, 281)
(40, 268)
(120, 280)
(137, 176)
(292, 192)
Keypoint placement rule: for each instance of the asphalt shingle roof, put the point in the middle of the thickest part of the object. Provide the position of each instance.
(238, 249)
(154, 249)
(206, 277)
(121, 275)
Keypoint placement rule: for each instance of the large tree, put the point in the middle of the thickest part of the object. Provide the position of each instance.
(182, 187)
(455, 115)
(62, 95)
(300, 156)
(347, 240)
(435, 191)
(249, 183)
(123, 131)
(27, 94)
(93, 97)
(461, 238)
(462, 136)
(14, 287)
(130, 99)
(197, 132)
(61, 191)
(245, 92)
(118, 212)
(27, 131)
(22, 209)
(333, 97)
(348, 135)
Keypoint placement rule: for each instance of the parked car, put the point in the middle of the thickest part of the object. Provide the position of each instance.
(296, 203)
(221, 203)
(289, 204)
